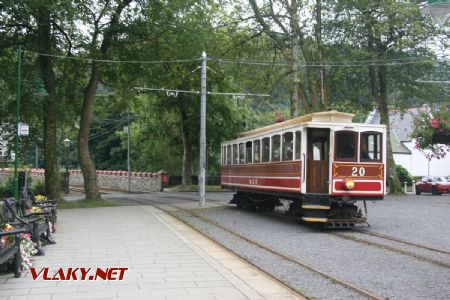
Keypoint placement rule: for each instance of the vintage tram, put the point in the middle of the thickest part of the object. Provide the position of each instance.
(322, 164)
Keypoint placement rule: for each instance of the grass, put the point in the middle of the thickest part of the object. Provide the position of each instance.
(194, 188)
(85, 203)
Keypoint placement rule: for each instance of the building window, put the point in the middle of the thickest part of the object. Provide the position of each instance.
(256, 151)
(288, 150)
(345, 145)
(265, 149)
(276, 148)
(248, 152)
(370, 146)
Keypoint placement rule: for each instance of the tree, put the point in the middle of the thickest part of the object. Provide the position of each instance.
(281, 21)
(105, 33)
(385, 30)
(41, 26)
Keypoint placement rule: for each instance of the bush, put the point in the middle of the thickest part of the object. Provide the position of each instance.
(38, 188)
(7, 188)
(403, 175)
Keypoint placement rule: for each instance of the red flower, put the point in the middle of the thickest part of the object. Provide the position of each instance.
(434, 123)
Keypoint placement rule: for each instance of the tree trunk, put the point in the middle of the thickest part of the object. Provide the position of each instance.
(86, 163)
(322, 77)
(394, 182)
(294, 78)
(52, 185)
(187, 151)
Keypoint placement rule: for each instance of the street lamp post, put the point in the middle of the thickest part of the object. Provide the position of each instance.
(16, 156)
(66, 179)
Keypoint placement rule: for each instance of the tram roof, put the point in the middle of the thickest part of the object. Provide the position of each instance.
(332, 116)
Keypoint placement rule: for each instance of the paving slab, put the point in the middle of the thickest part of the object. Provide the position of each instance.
(165, 258)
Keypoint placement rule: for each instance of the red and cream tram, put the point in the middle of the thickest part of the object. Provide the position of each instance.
(322, 163)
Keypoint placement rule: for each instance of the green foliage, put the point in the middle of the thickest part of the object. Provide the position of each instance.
(403, 175)
(85, 204)
(7, 187)
(38, 187)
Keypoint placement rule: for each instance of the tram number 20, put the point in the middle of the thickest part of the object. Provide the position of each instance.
(361, 171)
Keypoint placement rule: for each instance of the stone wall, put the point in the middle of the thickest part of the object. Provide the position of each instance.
(113, 180)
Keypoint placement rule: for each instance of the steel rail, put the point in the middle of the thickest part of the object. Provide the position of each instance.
(332, 278)
(393, 249)
(395, 239)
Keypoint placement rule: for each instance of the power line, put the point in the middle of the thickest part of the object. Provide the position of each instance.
(326, 64)
(343, 63)
(174, 93)
(113, 61)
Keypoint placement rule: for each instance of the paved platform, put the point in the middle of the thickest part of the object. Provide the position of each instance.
(166, 260)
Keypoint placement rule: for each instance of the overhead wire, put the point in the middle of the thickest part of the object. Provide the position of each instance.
(342, 63)
(111, 60)
(326, 64)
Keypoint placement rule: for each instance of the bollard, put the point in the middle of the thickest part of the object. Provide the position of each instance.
(406, 187)
(414, 186)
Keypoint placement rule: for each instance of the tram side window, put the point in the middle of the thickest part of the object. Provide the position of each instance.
(229, 155)
(276, 148)
(256, 151)
(265, 149)
(241, 153)
(345, 142)
(298, 144)
(235, 154)
(248, 152)
(370, 146)
(288, 145)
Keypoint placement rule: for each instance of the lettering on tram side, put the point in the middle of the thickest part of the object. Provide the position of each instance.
(253, 181)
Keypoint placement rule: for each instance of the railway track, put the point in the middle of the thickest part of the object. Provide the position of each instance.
(402, 241)
(441, 263)
(417, 247)
(348, 285)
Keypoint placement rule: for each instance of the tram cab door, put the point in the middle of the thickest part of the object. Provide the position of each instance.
(318, 147)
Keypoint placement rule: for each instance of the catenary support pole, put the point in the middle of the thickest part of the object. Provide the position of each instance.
(16, 157)
(202, 169)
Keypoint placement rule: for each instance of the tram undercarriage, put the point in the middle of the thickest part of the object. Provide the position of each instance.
(329, 211)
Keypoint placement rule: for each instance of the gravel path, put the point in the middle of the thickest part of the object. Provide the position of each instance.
(422, 219)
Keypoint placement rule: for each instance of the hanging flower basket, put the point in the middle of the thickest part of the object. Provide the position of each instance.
(432, 133)
(441, 137)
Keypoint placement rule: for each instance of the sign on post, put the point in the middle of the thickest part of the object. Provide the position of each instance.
(24, 129)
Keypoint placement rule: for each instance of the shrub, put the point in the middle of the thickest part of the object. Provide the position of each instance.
(7, 187)
(38, 188)
(403, 175)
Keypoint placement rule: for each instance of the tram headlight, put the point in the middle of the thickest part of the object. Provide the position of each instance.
(349, 184)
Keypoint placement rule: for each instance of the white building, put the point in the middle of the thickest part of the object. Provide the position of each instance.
(403, 147)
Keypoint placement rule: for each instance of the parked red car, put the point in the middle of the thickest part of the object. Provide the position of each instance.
(435, 185)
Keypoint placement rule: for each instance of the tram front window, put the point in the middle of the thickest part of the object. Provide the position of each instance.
(370, 146)
(345, 142)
